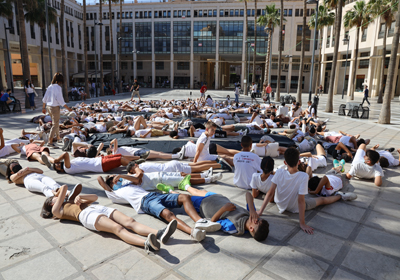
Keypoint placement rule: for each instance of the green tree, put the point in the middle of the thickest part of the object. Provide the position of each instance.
(359, 18)
(384, 116)
(385, 9)
(338, 6)
(269, 20)
(38, 15)
(325, 18)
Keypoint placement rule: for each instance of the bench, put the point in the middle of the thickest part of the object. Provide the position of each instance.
(4, 108)
(352, 108)
(364, 112)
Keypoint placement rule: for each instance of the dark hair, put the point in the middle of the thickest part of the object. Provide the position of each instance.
(319, 128)
(173, 133)
(92, 130)
(373, 156)
(62, 167)
(67, 122)
(8, 171)
(313, 183)
(292, 156)
(246, 141)
(383, 162)
(130, 165)
(262, 231)
(360, 141)
(283, 103)
(58, 78)
(8, 90)
(176, 150)
(210, 124)
(267, 164)
(312, 130)
(109, 180)
(26, 83)
(346, 157)
(47, 207)
(292, 126)
(91, 152)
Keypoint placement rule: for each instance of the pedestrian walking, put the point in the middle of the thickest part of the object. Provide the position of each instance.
(30, 93)
(366, 92)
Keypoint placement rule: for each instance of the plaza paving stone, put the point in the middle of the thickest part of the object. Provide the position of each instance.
(352, 240)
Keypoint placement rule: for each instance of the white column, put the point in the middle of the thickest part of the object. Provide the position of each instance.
(335, 86)
(378, 65)
(289, 79)
(171, 80)
(396, 71)
(153, 58)
(350, 85)
(371, 72)
(216, 72)
(322, 71)
(191, 56)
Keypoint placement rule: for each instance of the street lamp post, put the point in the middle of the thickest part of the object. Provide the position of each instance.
(288, 56)
(10, 80)
(314, 44)
(95, 53)
(248, 63)
(346, 39)
(133, 61)
(48, 39)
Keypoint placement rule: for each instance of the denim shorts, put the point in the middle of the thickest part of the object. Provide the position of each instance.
(140, 152)
(196, 200)
(154, 203)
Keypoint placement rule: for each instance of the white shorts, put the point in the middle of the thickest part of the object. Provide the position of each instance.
(314, 163)
(36, 182)
(207, 157)
(359, 157)
(176, 166)
(90, 215)
(270, 150)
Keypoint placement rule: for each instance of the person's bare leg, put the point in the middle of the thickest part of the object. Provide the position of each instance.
(320, 150)
(159, 155)
(230, 133)
(196, 192)
(282, 150)
(126, 159)
(107, 225)
(169, 216)
(37, 157)
(51, 159)
(185, 200)
(197, 181)
(229, 152)
(131, 224)
(192, 130)
(327, 200)
(204, 167)
(228, 159)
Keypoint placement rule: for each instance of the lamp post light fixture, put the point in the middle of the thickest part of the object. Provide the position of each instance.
(133, 61)
(270, 53)
(314, 45)
(346, 39)
(10, 79)
(95, 53)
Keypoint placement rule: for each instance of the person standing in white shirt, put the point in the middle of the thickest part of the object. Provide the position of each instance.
(246, 164)
(54, 99)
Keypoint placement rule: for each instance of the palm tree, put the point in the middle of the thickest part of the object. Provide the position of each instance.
(63, 54)
(244, 72)
(325, 18)
(384, 116)
(112, 43)
(303, 40)
(338, 6)
(85, 42)
(386, 10)
(101, 48)
(253, 78)
(269, 20)
(120, 45)
(26, 72)
(278, 88)
(38, 15)
(5, 11)
(357, 17)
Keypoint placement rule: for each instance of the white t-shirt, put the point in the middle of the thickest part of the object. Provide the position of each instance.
(269, 150)
(101, 127)
(190, 149)
(246, 164)
(206, 141)
(262, 186)
(143, 132)
(362, 170)
(171, 166)
(84, 164)
(282, 110)
(336, 184)
(314, 163)
(7, 149)
(289, 187)
(127, 151)
(346, 140)
(389, 157)
(129, 194)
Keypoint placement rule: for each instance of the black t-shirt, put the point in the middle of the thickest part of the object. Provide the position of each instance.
(336, 154)
(136, 86)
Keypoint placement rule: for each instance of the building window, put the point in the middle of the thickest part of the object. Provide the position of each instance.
(124, 65)
(344, 62)
(391, 30)
(290, 12)
(364, 35)
(33, 35)
(143, 37)
(159, 65)
(107, 65)
(126, 38)
(182, 32)
(139, 65)
(382, 31)
(204, 33)
(221, 13)
(298, 38)
(162, 37)
(364, 64)
(183, 66)
(230, 36)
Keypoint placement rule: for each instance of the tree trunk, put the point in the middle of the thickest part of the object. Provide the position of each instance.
(267, 59)
(244, 73)
(26, 72)
(112, 47)
(42, 61)
(253, 78)
(319, 63)
(353, 86)
(101, 50)
(338, 22)
(120, 46)
(303, 48)
(384, 117)
(63, 55)
(383, 66)
(278, 88)
(85, 42)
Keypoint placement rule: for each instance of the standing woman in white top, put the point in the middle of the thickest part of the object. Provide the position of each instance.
(30, 92)
(54, 99)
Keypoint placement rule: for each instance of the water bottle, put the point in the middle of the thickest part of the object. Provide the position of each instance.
(118, 185)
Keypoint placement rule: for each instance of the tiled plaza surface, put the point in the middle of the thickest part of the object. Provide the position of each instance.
(352, 240)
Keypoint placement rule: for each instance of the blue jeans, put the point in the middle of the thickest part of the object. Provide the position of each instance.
(236, 98)
(32, 99)
(154, 203)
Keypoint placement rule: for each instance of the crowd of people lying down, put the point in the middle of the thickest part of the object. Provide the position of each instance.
(155, 188)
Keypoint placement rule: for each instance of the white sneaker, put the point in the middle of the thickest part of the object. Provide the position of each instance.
(207, 225)
(327, 120)
(182, 153)
(244, 132)
(198, 234)
(347, 196)
(236, 118)
(209, 172)
(303, 128)
(215, 177)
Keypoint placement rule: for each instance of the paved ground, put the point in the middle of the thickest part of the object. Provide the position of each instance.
(352, 240)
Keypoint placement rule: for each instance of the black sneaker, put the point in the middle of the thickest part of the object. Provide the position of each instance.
(165, 127)
(164, 234)
(391, 150)
(145, 155)
(224, 164)
(151, 243)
